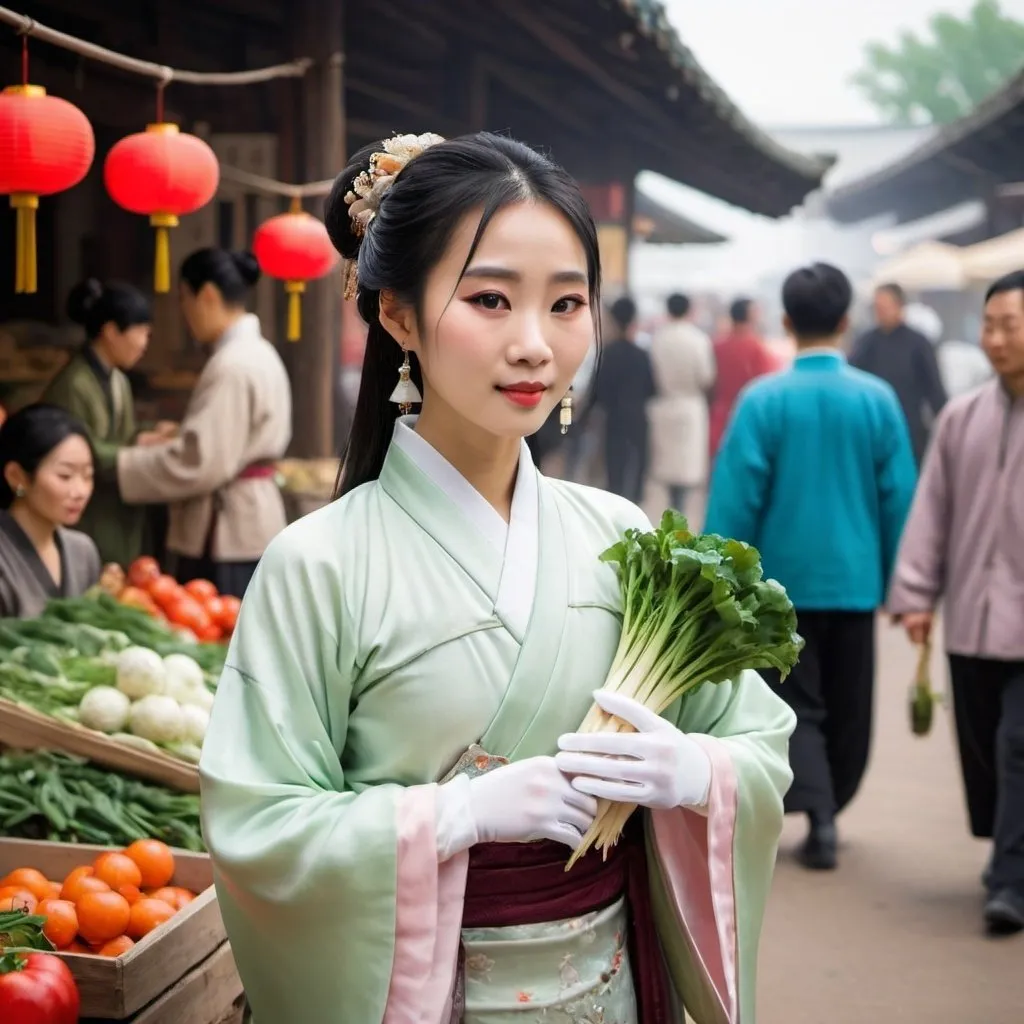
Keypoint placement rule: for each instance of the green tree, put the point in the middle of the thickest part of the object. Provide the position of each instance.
(944, 75)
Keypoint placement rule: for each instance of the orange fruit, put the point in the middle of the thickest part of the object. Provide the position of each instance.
(116, 947)
(17, 899)
(31, 879)
(173, 895)
(117, 869)
(61, 926)
(75, 888)
(77, 947)
(132, 893)
(55, 889)
(102, 916)
(148, 914)
(155, 861)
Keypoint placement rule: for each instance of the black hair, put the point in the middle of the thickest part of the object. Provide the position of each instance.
(678, 305)
(895, 290)
(739, 311)
(816, 298)
(408, 237)
(232, 272)
(28, 436)
(623, 312)
(1012, 282)
(94, 305)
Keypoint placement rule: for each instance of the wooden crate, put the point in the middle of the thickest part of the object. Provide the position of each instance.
(114, 988)
(25, 729)
(209, 994)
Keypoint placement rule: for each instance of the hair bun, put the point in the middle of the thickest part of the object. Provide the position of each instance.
(247, 264)
(83, 298)
(340, 228)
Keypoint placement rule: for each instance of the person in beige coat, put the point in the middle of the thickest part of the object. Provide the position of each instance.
(217, 474)
(683, 360)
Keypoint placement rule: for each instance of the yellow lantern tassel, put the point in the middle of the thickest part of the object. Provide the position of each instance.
(294, 290)
(25, 271)
(162, 267)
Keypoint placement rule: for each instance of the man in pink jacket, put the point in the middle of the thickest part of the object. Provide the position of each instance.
(964, 544)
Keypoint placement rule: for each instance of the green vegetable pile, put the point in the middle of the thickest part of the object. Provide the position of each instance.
(57, 798)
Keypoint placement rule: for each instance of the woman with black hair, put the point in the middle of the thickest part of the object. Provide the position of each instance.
(391, 778)
(46, 481)
(217, 473)
(94, 388)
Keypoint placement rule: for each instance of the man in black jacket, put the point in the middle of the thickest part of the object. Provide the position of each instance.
(906, 360)
(624, 385)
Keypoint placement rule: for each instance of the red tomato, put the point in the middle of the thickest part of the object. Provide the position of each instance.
(41, 990)
(165, 591)
(133, 597)
(188, 612)
(201, 590)
(228, 613)
(142, 572)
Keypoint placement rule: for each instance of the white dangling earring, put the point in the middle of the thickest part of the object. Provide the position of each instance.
(565, 412)
(406, 394)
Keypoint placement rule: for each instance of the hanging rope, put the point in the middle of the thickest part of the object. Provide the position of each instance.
(275, 188)
(27, 26)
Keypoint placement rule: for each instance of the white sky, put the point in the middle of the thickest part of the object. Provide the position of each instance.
(788, 62)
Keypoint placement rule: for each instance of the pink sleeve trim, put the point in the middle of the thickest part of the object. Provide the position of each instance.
(696, 858)
(428, 916)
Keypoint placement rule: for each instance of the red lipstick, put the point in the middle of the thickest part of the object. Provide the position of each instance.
(527, 394)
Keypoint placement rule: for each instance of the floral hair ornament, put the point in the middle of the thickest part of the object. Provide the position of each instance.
(372, 185)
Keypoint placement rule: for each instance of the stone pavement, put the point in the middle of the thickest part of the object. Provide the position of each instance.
(895, 934)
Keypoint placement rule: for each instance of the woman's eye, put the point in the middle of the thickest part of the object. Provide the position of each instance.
(569, 304)
(490, 300)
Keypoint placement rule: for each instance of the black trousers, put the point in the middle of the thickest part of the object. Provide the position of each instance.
(988, 704)
(831, 689)
(626, 459)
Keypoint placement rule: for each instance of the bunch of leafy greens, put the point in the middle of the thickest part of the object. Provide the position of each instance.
(696, 609)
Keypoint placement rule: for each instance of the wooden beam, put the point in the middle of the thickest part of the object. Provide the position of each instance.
(313, 360)
(426, 112)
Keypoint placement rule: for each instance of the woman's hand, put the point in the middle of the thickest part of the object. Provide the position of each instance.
(517, 803)
(657, 766)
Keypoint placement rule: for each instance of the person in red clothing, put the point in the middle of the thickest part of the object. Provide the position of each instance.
(741, 356)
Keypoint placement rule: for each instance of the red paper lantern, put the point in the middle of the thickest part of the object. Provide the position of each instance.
(46, 146)
(294, 248)
(164, 174)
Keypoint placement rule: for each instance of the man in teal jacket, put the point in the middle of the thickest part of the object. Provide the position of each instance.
(817, 471)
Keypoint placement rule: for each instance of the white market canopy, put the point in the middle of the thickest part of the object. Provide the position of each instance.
(930, 266)
(985, 261)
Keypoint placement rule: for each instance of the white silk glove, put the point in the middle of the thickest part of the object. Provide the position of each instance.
(657, 766)
(517, 803)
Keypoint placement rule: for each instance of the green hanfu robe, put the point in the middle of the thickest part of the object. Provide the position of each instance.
(102, 400)
(380, 638)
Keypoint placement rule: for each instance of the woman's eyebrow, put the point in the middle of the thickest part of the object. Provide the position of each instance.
(507, 274)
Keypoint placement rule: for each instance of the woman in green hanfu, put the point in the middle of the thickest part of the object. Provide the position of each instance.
(94, 388)
(381, 785)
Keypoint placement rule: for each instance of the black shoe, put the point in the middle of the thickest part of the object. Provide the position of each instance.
(819, 851)
(1004, 912)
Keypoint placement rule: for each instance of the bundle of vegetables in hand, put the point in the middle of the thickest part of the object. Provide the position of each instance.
(922, 698)
(35, 986)
(696, 610)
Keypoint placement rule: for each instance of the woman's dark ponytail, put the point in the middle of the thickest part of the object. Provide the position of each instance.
(408, 237)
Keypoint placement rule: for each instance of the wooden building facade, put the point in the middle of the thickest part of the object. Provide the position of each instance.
(606, 86)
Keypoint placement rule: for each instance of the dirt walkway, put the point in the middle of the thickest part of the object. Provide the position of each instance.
(895, 935)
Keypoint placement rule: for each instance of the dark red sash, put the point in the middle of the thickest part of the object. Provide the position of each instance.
(513, 884)
(258, 471)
